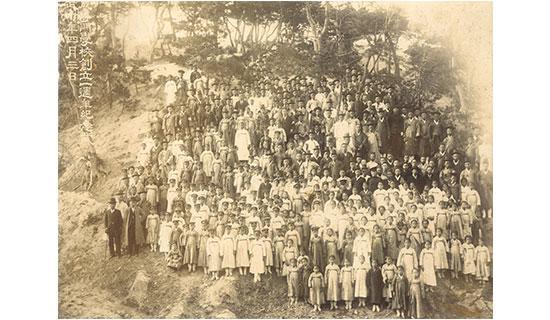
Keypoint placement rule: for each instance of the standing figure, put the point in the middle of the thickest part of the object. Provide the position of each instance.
(346, 283)
(316, 283)
(331, 278)
(113, 228)
(415, 295)
(400, 287)
(360, 276)
(427, 266)
(482, 259)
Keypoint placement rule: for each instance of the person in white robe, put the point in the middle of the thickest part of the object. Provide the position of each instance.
(242, 142)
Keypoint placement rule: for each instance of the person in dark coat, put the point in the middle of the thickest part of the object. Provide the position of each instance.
(133, 230)
(395, 125)
(424, 140)
(383, 130)
(113, 228)
(375, 285)
(437, 130)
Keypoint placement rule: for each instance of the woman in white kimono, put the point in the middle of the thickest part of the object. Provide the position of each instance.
(242, 142)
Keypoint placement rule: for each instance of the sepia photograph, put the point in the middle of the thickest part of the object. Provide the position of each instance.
(275, 159)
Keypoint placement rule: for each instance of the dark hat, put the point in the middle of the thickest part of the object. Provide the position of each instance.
(112, 200)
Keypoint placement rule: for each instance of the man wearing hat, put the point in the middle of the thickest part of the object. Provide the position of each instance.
(133, 229)
(113, 228)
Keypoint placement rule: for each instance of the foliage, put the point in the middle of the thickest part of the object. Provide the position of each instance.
(429, 75)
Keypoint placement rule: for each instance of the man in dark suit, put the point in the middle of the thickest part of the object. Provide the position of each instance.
(113, 228)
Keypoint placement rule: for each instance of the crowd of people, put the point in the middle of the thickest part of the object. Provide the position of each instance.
(329, 183)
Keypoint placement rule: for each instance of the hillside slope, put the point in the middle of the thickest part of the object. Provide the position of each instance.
(93, 286)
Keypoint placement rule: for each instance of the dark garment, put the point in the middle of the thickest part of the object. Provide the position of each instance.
(303, 292)
(395, 123)
(418, 181)
(373, 183)
(113, 228)
(400, 288)
(375, 285)
(132, 224)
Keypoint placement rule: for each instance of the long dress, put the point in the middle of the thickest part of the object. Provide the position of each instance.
(440, 253)
(152, 195)
(331, 248)
(191, 247)
(152, 226)
(243, 248)
(441, 222)
(482, 258)
(305, 271)
(228, 252)
(165, 235)
(346, 283)
(213, 252)
(316, 252)
(360, 277)
(427, 262)
(456, 263)
(242, 142)
(456, 224)
(415, 294)
(316, 283)
(268, 251)
(416, 240)
(257, 253)
(331, 277)
(400, 289)
(374, 144)
(392, 248)
(375, 283)
(408, 260)
(347, 250)
(202, 259)
(362, 247)
(378, 248)
(468, 254)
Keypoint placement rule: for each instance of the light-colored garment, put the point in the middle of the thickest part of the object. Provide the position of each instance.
(165, 235)
(427, 262)
(360, 277)
(482, 257)
(468, 253)
(228, 252)
(346, 283)
(242, 142)
(331, 277)
(257, 254)
(213, 253)
(408, 260)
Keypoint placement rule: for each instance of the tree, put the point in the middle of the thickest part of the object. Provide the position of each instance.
(429, 75)
(315, 13)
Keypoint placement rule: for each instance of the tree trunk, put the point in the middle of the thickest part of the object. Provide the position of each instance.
(113, 26)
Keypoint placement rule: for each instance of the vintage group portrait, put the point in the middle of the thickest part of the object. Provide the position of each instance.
(268, 159)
